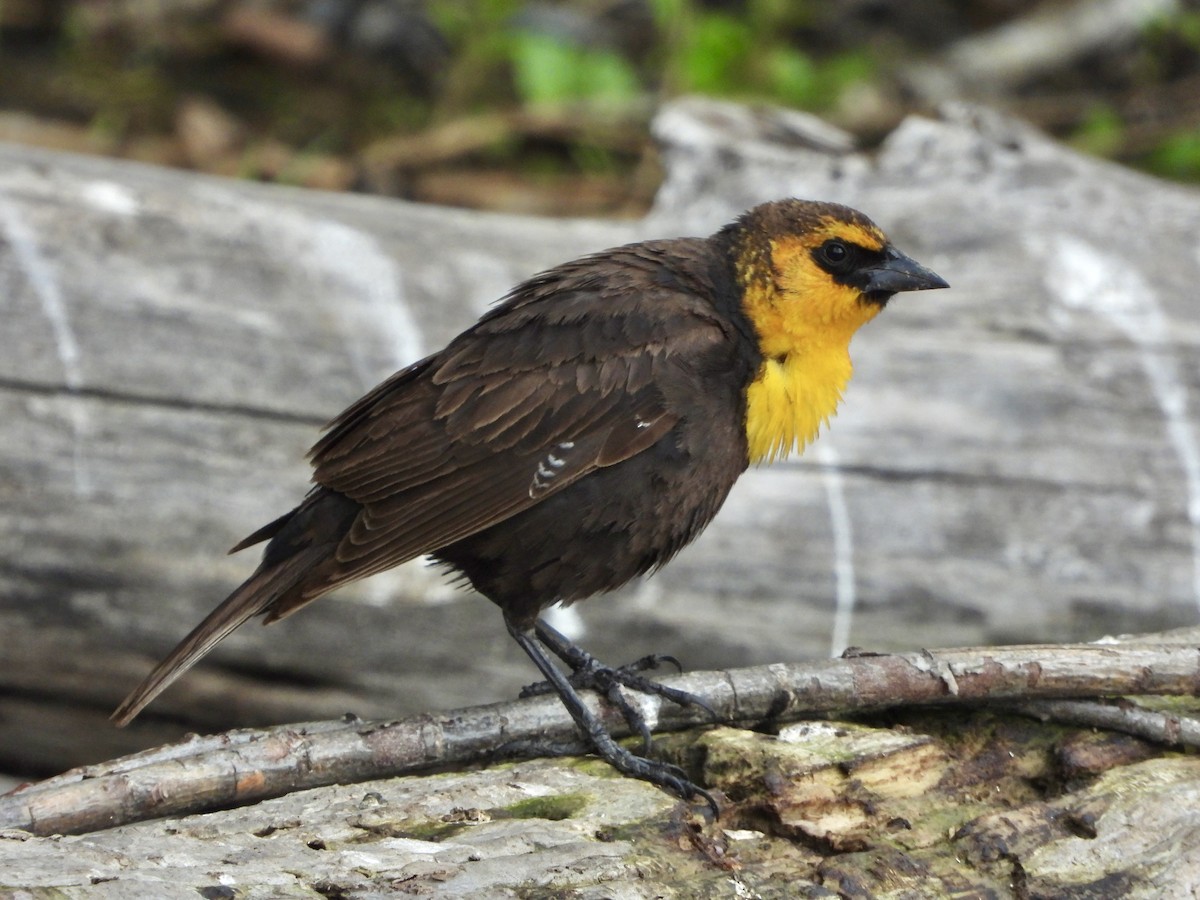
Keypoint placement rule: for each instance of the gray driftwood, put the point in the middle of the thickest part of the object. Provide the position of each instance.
(1016, 460)
(232, 769)
(959, 804)
(962, 804)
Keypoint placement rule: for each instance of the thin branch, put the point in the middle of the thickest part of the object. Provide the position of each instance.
(246, 766)
(1117, 715)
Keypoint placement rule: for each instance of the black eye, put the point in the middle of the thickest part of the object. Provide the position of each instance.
(836, 253)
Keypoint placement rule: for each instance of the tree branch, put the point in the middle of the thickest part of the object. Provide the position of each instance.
(1117, 715)
(241, 767)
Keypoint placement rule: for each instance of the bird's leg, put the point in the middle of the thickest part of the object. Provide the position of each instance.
(588, 672)
(592, 676)
(668, 777)
(580, 677)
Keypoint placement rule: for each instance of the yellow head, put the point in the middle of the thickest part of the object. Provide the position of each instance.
(811, 275)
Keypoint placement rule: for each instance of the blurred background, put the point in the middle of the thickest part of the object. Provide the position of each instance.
(543, 107)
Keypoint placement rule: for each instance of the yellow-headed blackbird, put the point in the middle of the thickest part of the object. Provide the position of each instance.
(581, 433)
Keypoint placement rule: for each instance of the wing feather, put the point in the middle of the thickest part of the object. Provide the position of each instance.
(564, 378)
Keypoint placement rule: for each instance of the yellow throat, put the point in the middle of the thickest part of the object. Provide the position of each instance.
(804, 320)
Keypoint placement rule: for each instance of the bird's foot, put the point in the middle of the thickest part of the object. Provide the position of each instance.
(587, 672)
(669, 777)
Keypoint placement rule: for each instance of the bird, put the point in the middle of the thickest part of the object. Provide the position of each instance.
(585, 429)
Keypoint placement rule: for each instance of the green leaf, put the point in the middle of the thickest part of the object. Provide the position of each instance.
(793, 77)
(1101, 132)
(1178, 156)
(715, 58)
(547, 72)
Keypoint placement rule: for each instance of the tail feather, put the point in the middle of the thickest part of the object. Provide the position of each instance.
(267, 531)
(255, 596)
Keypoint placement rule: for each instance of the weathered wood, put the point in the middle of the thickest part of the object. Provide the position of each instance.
(200, 775)
(979, 806)
(1017, 455)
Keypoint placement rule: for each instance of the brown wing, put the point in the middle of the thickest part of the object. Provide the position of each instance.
(565, 377)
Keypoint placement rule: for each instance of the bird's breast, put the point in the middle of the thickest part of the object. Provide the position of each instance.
(791, 398)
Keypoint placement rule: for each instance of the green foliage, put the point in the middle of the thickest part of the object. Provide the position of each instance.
(797, 80)
(753, 55)
(712, 54)
(1177, 157)
(547, 71)
(1102, 131)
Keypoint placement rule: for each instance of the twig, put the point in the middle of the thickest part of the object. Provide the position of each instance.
(246, 766)
(1117, 715)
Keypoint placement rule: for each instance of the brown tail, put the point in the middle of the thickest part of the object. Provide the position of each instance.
(255, 596)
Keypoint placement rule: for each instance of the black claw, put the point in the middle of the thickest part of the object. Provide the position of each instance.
(650, 663)
(670, 660)
(537, 689)
(708, 798)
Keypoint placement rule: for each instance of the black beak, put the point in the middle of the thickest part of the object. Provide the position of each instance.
(898, 273)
